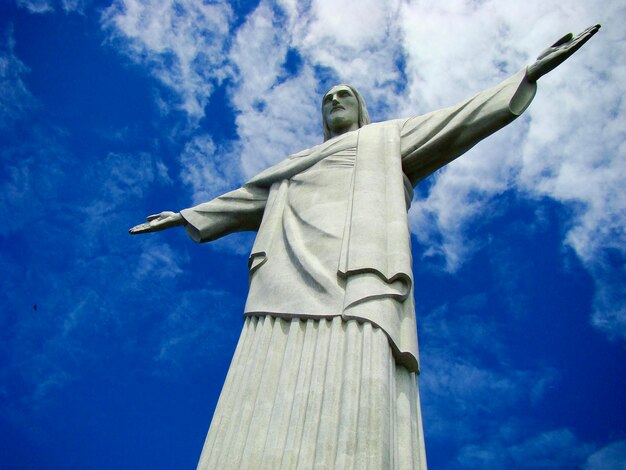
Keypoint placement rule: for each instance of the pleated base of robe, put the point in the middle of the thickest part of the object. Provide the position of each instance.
(315, 394)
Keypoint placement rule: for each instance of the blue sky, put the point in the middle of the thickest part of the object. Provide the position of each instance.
(113, 348)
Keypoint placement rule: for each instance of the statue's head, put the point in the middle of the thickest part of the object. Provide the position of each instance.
(343, 110)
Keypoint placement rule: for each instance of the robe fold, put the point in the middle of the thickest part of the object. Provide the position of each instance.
(359, 266)
(325, 371)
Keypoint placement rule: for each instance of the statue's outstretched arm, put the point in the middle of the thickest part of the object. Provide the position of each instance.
(435, 139)
(236, 211)
(158, 222)
(556, 54)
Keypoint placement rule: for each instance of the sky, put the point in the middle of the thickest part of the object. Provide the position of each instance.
(113, 348)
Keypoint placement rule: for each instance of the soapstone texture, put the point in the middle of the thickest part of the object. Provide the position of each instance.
(332, 220)
(325, 371)
(324, 375)
(315, 394)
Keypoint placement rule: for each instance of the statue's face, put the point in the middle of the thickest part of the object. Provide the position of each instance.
(340, 109)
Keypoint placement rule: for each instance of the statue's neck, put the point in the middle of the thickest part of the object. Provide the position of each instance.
(343, 130)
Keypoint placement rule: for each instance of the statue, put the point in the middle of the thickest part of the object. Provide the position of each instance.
(325, 371)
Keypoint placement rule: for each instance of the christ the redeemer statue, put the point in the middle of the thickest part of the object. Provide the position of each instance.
(325, 372)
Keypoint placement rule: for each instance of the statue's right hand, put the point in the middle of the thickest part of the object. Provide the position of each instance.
(158, 222)
(558, 52)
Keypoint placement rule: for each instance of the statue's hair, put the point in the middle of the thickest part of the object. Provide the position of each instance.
(364, 117)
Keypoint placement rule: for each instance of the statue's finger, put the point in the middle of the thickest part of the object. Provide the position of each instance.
(587, 33)
(153, 217)
(563, 40)
(545, 52)
(582, 38)
(139, 228)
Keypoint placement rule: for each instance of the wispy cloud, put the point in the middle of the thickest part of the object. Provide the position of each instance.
(15, 98)
(79, 282)
(37, 6)
(208, 171)
(70, 281)
(575, 155)
(95, 286)
(563, 148)
(472, 393)
(553, 449)
(49, 6)
(285, 53)
(610, 457)
(192, 333)
(159, 261)
(360, 46)
(183, 44)
(469, 379)
(274, 106)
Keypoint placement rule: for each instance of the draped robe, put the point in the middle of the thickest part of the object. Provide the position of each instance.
(333, 242)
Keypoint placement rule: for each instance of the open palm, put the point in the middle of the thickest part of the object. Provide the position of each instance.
(558, 52)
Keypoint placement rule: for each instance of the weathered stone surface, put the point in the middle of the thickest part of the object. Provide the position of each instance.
(325, 371)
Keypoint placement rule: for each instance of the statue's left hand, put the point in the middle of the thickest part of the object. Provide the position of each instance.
(158, 222)
(556, 54)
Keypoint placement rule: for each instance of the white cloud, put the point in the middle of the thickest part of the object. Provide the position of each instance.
(268, 136)
(182, 42)
(576, 154)
(554, 449)
(472, 393)
(37, 6)
(131, 174)
(79, 217)
(279, 110)
(409, 58)
(568, 147)
(610, 457)
(361, 45)
(49, 6)
(609, 314)
(192, 334)
(460, 195)
(558, 448)
(159, 261)
(207, 171)
(580, 131)
(122, 178)
(15, 98)
(468, 380)
(274, 107)
(74, 5)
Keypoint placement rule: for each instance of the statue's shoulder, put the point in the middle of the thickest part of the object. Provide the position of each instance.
(303, 153)
(381, 130)
(388, 123)
(392, 123)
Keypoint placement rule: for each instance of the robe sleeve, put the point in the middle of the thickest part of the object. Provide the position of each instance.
(433, 140)
(237, 211)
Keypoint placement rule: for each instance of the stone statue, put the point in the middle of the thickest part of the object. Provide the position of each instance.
(325, 371)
